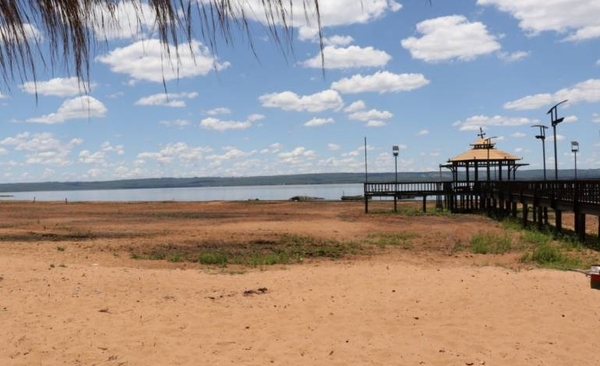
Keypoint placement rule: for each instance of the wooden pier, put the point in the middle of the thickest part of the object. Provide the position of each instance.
(535, 198)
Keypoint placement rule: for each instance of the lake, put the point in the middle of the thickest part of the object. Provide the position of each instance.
(243, 193)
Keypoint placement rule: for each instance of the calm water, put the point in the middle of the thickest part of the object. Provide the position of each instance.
(281, 192)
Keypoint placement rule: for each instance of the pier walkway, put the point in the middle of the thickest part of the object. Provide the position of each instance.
(534, 198)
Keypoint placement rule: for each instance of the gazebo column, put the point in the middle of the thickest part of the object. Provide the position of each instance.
(499, 169)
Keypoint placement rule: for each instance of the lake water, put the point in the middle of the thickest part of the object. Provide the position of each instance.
(280, 192)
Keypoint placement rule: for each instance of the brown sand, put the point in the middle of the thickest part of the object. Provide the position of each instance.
(71, 295)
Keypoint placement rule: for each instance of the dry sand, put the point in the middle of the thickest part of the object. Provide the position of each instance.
(71, 295)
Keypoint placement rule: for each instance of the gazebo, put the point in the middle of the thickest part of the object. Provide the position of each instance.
(484, 155)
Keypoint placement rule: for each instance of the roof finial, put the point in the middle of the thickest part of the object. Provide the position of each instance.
(481, 134)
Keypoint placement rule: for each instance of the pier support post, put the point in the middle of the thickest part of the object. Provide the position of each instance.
(558, 220)
(525, 213)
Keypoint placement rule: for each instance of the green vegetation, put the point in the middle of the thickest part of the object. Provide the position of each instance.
(489, 243)
(286, 249)
(402, 240)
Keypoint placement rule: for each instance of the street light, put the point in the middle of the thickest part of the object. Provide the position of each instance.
(395, 151)
(553, 112)
(542, 136)
(575, 150)
(489, 146)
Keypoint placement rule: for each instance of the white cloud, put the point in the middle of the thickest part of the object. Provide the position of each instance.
(513, 57)
(315, 122)
(87, 157)
(175, 123)
(450, 37)
(180, 151)
(381, 82)
(297, 155)
(60, 87)
(220, 110)
(370, 115)
(107, 147)
(584, 92)
(423, 132)
(167, 99)
(125, 20)
(42, 148)
(570, 119)
(333, 147)
(374, 123)
(231, 153)
(84, 107)
(596, 117)
(355, 106)
(579, 19)
(148, 61)
(518, 135)
(290, 101)
(338, 40)
(31, 33)
(349, 57)
(332, 13)
(475, 122)
(212, 123)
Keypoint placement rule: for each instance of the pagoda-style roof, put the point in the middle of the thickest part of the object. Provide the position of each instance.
(484, 149)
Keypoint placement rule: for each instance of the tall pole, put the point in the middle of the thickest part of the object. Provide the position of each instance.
(553, 112)
(575, 150)
(366, 171)
(542, 136)
(489, 146)
(395, 151)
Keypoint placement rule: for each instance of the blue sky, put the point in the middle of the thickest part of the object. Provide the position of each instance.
(424, 77)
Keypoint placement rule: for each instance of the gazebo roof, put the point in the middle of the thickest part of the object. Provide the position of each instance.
(484, 149)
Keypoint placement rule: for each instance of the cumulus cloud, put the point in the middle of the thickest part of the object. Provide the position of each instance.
(315, 122)
(84, 107)
(349, 57)
(355, 106)
(298, 155)
(220, 110)
(148, 61)
(125, 20)
(584, 92)
(290, 101)
(179, 150)
(475, 122)
(175, 123)
(513, 57)
(60, 87)
(423, 132)
(372, 114)
(42, 148)
(167, 99)
(212, 123)
(332, 13)
(333, 147)
(380, 82)
(338, 40)
(450, 37)
(375, 123)
(579, 20)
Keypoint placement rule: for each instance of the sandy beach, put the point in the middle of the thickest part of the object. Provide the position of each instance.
(76, 288)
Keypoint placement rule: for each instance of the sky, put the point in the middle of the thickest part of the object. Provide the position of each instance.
(425, 77)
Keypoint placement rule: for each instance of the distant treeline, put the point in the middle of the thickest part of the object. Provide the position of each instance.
(321, 178)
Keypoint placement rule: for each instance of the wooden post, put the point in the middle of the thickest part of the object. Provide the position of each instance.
(558, 220)
(424, 203)
(525, 213)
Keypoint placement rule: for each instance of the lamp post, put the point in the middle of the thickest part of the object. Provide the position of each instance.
(553, 112)
(575, 150)
(489, 146)
(542, 136)
(395, 151)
